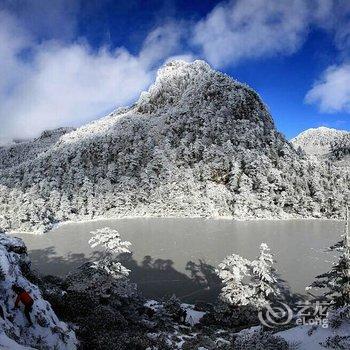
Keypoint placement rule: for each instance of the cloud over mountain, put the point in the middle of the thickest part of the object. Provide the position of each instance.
(52, 76)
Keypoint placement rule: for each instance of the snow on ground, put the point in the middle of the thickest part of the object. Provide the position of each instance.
(300, 336)
(192, 316)
(7, 343)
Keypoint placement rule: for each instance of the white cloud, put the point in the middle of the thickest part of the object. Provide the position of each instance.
(332, 92)
(246, 29)
(53, 84)
(49, 80)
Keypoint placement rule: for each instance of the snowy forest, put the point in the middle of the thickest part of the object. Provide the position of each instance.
(198, 143)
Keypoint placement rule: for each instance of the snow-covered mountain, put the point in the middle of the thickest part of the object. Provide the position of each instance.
(47, 332)
(196, 144)
(318, 141)
(19, 152)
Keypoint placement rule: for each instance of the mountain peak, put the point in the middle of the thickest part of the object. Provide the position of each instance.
(193, 85)
(197, 143)
(317, 141)
(179, 68)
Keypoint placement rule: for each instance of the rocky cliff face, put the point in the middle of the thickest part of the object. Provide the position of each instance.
(47, 331)
(196, 144)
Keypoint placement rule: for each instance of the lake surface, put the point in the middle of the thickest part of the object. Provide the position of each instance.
(179, 255)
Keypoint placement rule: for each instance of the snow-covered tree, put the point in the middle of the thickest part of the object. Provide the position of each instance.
(341, 147)
(259, 340)
(266, 282)
(113, 246)
(248, 282)
(233, 272)
(337, 280)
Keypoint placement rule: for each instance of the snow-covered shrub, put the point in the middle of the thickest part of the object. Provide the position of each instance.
(248, 282)
(201, 341)
(337, 317)
(259, 340)
(47, 332)
(228, 316)
(99, 283)
(172, 308)
(104, 309)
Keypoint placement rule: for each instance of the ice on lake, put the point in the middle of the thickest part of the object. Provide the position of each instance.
(178, 256)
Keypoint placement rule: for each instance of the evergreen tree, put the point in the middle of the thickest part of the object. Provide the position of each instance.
(341, 147)
(248, 282)
(337, 280)
(265, 278)
(110, 240)
(232, 271)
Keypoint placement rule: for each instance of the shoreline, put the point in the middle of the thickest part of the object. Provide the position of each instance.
(136, 217)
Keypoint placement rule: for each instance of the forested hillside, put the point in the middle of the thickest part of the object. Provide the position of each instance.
(196, 144)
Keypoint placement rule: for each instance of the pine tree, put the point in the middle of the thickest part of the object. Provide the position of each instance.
(110, 240)
(337, 280)
(232, 271)
(248, 282)
(266, 284)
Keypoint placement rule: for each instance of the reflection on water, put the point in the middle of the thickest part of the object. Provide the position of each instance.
(180, 255)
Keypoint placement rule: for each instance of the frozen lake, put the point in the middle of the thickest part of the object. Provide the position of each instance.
(179, 255)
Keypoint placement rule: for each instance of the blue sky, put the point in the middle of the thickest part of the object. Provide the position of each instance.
(65, 62)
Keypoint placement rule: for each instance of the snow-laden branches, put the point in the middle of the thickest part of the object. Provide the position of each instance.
(249, 282)
(232, 271)
(111, 241)
(265, 278)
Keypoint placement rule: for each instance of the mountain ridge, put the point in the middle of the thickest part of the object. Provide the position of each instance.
(197, 143)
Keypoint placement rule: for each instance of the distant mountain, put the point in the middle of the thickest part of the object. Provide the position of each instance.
(196, 144)
(318, 141)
